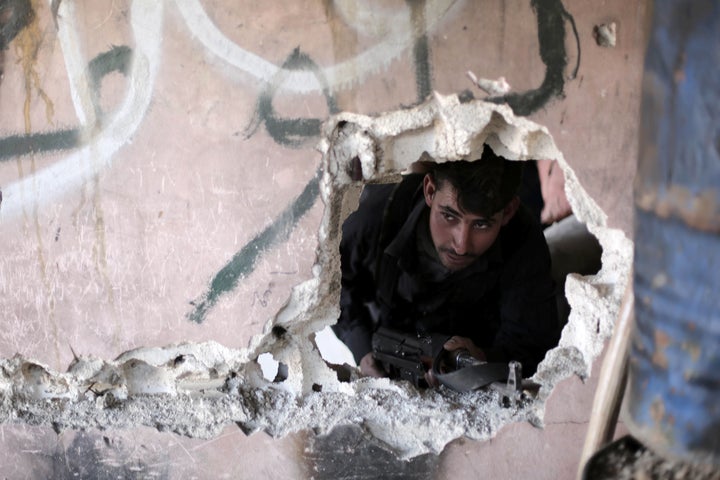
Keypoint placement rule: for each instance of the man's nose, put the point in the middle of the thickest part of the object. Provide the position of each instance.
(461, 239)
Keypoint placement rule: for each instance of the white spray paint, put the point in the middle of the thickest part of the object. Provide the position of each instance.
(396, 41)
(70, 173)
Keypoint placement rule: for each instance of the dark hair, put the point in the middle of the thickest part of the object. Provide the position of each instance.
(484, 186)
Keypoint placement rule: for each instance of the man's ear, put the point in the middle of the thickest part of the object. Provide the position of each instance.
(510, 209)
(429, 189)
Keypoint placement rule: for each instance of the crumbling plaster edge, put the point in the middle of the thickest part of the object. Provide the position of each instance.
(197, 389)
(447, 129)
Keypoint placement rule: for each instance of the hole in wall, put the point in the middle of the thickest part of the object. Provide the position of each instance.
(272, 370)
(359, 150)
(296, 389)
(572, 250)
(332, 350)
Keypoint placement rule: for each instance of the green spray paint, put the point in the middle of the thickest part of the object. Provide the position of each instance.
(243, 262)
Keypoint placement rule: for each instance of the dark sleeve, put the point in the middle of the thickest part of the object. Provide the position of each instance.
(358, 253)
(528, 308)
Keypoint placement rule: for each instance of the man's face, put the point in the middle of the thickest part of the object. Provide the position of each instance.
(460, 237)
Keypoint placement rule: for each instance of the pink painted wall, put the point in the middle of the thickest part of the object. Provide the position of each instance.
(159, 176)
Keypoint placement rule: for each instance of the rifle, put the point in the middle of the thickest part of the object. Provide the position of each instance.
(405, 356)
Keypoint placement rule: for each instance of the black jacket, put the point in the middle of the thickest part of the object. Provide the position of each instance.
(504, 301)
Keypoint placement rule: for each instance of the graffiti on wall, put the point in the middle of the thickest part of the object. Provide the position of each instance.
(91, 146)
(118, 58)
(290, 132)
(14, 16)
(552, 19)
(99, 146)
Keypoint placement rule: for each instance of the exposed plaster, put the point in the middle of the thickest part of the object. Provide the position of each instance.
(197, 389)
(606, 34)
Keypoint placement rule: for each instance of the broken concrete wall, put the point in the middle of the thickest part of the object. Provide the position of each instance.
(161, 184)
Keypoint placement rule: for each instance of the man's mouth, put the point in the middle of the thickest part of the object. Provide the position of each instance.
(455, 260)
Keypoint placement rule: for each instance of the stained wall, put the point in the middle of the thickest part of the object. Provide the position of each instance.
(160, 181)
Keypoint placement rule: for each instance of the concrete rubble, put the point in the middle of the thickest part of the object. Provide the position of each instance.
(198, 389)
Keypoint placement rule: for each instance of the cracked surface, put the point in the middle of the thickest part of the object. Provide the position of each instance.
(198, 389)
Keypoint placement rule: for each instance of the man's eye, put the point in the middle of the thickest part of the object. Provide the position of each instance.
(448, 217)
(481, 226)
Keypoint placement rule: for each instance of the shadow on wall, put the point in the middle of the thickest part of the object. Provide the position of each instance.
(346, 450)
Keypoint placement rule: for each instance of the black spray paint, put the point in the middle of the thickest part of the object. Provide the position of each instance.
(290, 132)
(293, 133)
(14, 16)
(421, 50)
(243, 262)
(118, 58)
(19, 145)
(551, 18)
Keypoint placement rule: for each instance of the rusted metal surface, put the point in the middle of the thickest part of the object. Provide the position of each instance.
(674, 366)
(675, 356)
(699, 210)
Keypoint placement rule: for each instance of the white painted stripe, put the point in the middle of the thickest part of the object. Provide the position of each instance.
(75, 63)
(350, 71)
(49, 184)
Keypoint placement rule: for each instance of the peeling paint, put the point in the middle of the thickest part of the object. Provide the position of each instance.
(693, 349)
(699, 210)
(662, 341)
(605, 34)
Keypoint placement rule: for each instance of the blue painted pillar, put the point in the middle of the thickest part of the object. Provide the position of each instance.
(674, 386)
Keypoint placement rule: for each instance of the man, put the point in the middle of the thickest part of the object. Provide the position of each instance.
(450, 252)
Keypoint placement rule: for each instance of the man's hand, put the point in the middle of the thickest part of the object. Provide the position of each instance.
(370, 368)
(457, 343)
(552, 186)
